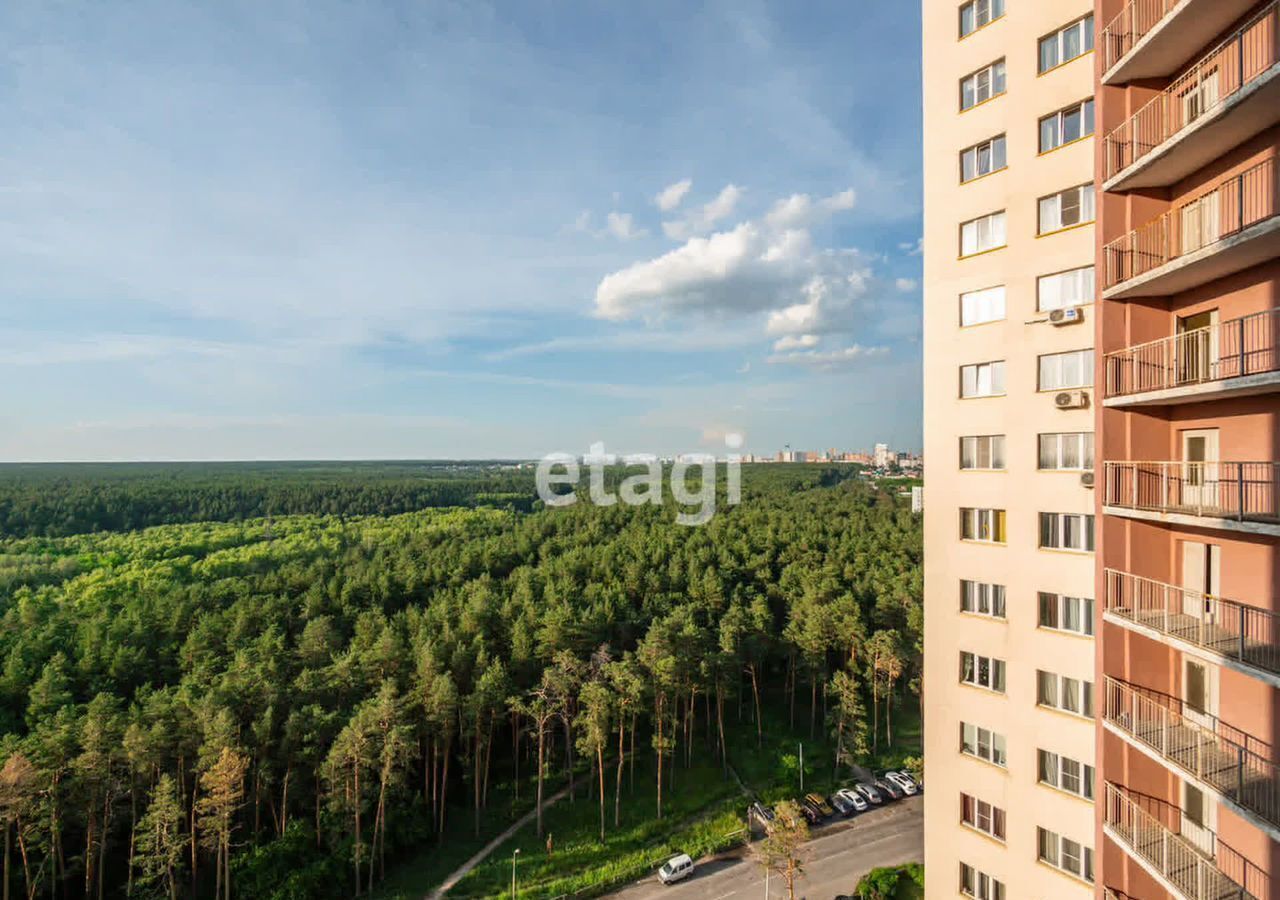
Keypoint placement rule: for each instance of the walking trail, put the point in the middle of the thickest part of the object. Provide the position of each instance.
(494, 844)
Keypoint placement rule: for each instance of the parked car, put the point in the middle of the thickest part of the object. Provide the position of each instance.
(869, 792)
(889, 789)
(823, 806)
(902, 782)
(764, 814)
(841, 805)
(911, 779)
(858, 801)
(675, 869)
(811, 813)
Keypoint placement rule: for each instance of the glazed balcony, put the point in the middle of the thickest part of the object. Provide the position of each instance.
(1222, 231)
(1234, 766)
(1236, 496)
(1226, 97)
(1244, 637)
(1154, 38)
(1235, 358)
(1202, 868)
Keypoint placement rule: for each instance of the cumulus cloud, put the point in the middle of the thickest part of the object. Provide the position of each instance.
(623, 227)
(795, 342)
(801, 210)
(670, 196)
(906, 285)
(704, 218)
(828, 360)
(912, 248)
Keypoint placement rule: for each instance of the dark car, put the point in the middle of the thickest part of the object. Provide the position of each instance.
(889, 789)
(811, 812)
(841, 805)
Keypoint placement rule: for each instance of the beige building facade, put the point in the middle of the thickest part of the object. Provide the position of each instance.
(1009, 283)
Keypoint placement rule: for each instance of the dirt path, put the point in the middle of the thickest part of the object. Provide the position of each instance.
(466, 867)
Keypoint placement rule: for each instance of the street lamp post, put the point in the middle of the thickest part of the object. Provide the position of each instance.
(513, 873)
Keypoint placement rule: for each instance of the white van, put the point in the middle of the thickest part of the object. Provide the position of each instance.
(676, 868)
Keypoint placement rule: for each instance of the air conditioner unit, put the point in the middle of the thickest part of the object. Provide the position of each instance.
(1066, 316)
(1086, 479)
(1071, 400)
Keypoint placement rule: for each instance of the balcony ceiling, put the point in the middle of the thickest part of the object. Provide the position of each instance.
(1182, 34)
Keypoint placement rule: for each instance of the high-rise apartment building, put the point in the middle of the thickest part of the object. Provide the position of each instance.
(1188, 334)
(1010, 738)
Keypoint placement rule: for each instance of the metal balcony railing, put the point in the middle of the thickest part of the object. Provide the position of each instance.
(1235, 630)
(1248, 53)
(1251, 197)
(1243, 491)
(1132, 24)
(1222, 757)
(1151, 831)
(1249, 345)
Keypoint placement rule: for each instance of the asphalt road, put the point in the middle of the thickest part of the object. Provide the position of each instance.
(837, 857)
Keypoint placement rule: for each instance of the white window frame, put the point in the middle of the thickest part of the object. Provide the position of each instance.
(995, 151)
(1073, 696)
(1067, 531)
(983, 234)
(984, 525)
(978, 448)
(1058, 612)
(983, 672)
(982, 306)
(983, 85)
(981, 14)
(980, 598)
(1057, 133)
(1059, 290)
(979, 885)
(988, 818)
(1081, 30)
(984, 744)
(1055, 450)
(1065, 774)
(984, 379)
(1066, 209)
(1055, 850)
(1065, 371)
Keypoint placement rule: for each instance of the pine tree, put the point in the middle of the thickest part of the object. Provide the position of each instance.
(223, 795)
(159, 843)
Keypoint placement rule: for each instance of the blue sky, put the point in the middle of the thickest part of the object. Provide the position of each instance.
(323, 230)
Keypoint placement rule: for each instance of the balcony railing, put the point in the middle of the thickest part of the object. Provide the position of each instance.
(1235, 630)
(1150, 831)
(1249, 345)
(1208, 83)
(1251, 197)
(1132, 24)
(1242, 491)
(1222, 757)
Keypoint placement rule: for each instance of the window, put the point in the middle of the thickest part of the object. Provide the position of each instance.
(1068, 855)
(1066, 531)
(1065, 45)
(983, 816)
(983, 451)
(982, 85)
(976, 13)
(982, 379)
(982, 525)
(982, 599)
(1063, 289)
(979, 885)
(1063, 613)
(982, 671)
(1066, 125)
(1070, 451)
(1061, 371)
(1074, 206)
(981, 234)
(986, 305)
(985, 745)
(1065, 774)
(1066, 694)
(982, 159)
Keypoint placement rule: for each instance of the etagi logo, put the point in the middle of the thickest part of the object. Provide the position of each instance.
(562, 469)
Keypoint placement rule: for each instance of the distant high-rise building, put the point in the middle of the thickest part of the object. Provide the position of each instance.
(882, 455)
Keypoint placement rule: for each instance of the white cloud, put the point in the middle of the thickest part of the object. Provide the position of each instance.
(829, 360)
(801, 210)
(704, 218)
(795, 342)
(906, 285)
(912, 248)
(621, 226)
(670, 196)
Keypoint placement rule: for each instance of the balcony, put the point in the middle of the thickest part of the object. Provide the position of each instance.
(1223, 231)
(1235, 358)
(1231, 94)
(1244, 637)
(1235, 496)
(1150, 832)
(1154, 38)
(1226, 762)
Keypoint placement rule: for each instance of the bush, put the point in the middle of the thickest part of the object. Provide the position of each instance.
(891, 883)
